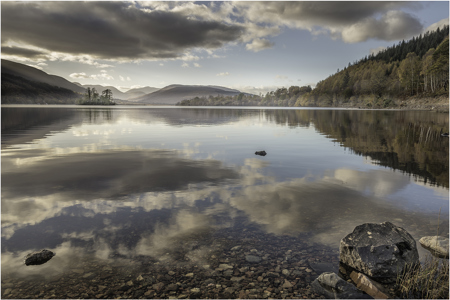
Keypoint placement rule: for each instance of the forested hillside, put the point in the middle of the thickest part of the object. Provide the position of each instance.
(395, 77)
(18, 90)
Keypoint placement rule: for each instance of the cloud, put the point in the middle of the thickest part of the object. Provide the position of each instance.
(79, 75)
(282, 77)
(103, 75)
(87, 32)
(185, 65)
(111, 30)
(259, 44)
(197, 65)
(380, 20)
(22, 52)
(375, 51)
(434, 26)
(394, 25)
(223, 74)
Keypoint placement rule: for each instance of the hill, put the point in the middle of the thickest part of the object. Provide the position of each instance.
(33, 74)
(18, 90)
(175, 93)
(135, 93)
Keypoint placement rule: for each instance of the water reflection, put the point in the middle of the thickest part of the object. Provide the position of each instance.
(127, 186)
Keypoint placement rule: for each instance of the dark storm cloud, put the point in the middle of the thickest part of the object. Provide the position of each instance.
(330, 12)
(351, 21)
(17, 51)
(110, 30)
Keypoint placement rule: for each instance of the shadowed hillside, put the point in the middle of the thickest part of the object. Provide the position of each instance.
(173, 94)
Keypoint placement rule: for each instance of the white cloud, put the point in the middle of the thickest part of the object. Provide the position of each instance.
(223, 74)
(439, 24)
(79, 75)
(121, 78)
(375, 51)
(103, 75)
(259, 44)
(197, 65)
(128, 78)
(185, 65)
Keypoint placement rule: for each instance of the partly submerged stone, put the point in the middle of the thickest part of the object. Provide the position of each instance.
(261, 153)
(369, 286)
(332, 286)
(39, 258)
(437, 245)
(381, 251)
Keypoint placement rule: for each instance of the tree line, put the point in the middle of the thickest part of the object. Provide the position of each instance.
(416, 68)
(92, 97)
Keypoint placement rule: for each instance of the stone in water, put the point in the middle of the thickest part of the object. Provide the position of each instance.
(39, 258)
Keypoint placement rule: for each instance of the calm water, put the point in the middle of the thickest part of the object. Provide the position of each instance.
(127, 184)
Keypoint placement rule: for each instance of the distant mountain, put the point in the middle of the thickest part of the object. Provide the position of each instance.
(135, 93)
(175, 93)
(117, 94)
(33, 74)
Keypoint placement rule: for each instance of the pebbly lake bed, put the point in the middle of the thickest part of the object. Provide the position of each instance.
(172, 202)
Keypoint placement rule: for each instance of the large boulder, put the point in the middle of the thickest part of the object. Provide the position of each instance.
(332, 286)
(381, 251)
(437, 245)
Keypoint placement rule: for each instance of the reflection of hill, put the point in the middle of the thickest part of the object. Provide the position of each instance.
(409, 141)
(36, 122)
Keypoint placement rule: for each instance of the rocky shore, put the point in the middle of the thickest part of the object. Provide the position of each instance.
(238, 264)
(247, 267)
(439, 104)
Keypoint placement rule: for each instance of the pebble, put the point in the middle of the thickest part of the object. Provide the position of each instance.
(252, 258)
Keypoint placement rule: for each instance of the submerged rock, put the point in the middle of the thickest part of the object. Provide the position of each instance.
(253, 258)
(38, 258)
(437, 245)
(261, 153)
(332, 286)
(381, 251)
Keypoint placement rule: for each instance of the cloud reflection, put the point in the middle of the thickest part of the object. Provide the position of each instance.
(110, 174)
(167, 207)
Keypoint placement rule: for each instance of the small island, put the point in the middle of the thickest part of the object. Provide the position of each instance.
(92, 97)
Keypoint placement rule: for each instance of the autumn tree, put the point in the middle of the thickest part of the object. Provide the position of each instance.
(409, 72)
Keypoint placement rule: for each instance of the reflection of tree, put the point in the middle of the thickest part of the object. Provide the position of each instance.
(98, 115)
(409, 141)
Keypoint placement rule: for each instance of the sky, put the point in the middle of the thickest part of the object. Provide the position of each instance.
(254, 47)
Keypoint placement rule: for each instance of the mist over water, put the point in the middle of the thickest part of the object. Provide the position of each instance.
(123, 185)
